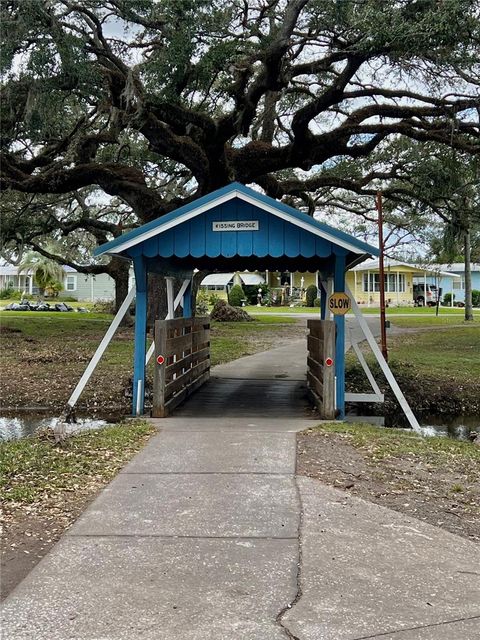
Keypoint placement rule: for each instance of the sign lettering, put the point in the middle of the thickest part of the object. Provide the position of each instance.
(235, 225)
(339, 303)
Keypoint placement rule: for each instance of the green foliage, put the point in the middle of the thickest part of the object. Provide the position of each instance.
(53, 289)
(447, 298)
(251, 292)
(475, 297)
(311, 294)
(45, 272)
(7, 293)
(213, 298)
(236, 296)
(316, 302)
(202, 302)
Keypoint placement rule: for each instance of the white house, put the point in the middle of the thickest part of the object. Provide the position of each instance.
(81, 286)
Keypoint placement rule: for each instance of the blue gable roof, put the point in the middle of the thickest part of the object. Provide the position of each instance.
(192, 231)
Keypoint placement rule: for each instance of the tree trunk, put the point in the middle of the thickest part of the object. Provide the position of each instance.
(468, 276)
(157, 298)
(119, 270)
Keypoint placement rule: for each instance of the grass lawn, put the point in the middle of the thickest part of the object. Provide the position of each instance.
(449, 353)
(432, 321)
(434, 479)
(280, 310)
(43, 488)
(44, 355)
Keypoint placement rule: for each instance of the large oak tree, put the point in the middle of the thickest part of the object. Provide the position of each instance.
(160, 102)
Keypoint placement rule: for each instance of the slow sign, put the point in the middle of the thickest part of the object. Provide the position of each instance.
(339, 303)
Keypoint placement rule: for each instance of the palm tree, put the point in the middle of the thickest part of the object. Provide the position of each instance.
(44, 271)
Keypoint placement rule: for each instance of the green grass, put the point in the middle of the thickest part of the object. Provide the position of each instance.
(252, 310)
(32, 470)
(425, 311)
(432, 321)
(445, 353)
(380, 444)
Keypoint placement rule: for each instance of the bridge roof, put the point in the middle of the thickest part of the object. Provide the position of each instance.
(236, 222)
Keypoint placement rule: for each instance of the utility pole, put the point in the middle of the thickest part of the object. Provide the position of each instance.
(383, 322)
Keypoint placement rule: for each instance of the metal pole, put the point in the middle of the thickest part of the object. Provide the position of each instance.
(383, 326)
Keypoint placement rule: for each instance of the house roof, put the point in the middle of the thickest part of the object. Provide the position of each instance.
(222, 279)
(373, 265)
(189, 212)
(458, 266)
(217, 279)
(7, 269)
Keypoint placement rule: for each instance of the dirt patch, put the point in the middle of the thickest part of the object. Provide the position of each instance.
(41, 365)
(445, 494)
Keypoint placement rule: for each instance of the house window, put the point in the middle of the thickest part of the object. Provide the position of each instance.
(459, 284)
(71, 283)
(371, 282)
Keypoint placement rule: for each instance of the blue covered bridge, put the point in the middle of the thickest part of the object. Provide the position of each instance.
(235, 229)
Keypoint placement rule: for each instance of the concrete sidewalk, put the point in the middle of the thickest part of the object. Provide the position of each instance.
(208, 534)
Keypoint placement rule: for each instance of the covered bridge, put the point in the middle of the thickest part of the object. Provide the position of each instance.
(236, 229)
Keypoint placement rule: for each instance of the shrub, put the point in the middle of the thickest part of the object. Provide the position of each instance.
(7, 293)
(476, 297)
(236, 296)
(201, 308)
(447, 299)
(104, 306)
(316, 302)
(251, 292)
(213, 299)
(311, 295)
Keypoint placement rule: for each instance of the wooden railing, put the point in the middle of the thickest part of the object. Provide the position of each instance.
(320, 366)
(182, 361)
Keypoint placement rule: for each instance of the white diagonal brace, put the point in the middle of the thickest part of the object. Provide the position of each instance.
(176, 302)
(383, 364)
(366, 368)
(101, 348)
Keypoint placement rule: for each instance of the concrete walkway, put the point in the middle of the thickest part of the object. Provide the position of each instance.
(208, 534)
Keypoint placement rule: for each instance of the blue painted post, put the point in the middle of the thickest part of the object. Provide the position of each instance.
(187, 302)
(140, 336)
(339, 286)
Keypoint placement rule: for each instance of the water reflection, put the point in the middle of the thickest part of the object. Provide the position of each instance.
(14, 428)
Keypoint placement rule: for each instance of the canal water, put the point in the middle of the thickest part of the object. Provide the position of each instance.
(13, 428)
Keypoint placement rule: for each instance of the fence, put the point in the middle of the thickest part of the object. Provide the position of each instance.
(321, 369)
(182, 361)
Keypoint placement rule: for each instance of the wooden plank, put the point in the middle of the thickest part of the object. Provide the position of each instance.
(185, 392)
(200, 337)
(315, 347)
(178, 345)
(176, 367)
(315, 384)
(199, 356)
(315, 367)
(158, 404)
(200, 368)
(174, 386)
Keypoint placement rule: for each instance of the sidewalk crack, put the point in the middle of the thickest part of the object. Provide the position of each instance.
(298, 593)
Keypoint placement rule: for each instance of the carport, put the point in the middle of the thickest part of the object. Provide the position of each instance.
(235, 229)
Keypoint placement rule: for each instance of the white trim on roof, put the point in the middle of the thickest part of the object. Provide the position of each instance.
(225, 198)
(250, 279)
(372, 265)
(217, 279)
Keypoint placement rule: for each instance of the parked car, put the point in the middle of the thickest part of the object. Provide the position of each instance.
(422, 291)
